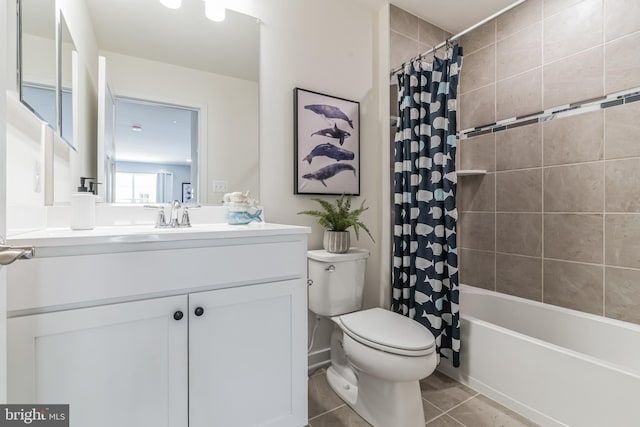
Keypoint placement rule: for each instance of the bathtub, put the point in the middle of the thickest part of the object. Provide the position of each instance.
(555, 366)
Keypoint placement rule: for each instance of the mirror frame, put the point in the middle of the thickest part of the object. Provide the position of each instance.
(60, 19)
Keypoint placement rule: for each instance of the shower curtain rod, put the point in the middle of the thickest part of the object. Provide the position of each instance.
(457, 36)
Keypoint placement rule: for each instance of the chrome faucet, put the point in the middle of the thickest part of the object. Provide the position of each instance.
(161, 220)
(173, 217)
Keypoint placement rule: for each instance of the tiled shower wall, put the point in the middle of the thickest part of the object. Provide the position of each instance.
(557, 217)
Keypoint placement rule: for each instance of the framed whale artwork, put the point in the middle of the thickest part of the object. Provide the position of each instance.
(326, 144)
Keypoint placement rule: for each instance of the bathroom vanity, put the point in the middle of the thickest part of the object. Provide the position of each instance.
(135, 326)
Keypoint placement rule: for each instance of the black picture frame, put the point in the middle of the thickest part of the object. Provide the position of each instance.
(187, 192)
(326, 144)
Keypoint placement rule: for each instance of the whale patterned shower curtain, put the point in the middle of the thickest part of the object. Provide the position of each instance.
(425, 260)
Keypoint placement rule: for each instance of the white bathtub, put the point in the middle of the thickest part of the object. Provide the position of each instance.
(555, 366)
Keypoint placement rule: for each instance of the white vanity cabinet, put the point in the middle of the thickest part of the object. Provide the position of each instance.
(185, 333)
(120, 364)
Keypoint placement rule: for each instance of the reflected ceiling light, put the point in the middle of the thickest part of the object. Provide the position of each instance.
(214, 10)
(172, 4)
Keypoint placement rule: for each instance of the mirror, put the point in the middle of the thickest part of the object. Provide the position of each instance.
(37, 58)
(68, 61)
(200, 74)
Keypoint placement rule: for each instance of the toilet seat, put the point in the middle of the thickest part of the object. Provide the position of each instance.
(388, 331)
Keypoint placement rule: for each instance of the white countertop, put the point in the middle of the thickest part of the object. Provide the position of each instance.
(56, 237)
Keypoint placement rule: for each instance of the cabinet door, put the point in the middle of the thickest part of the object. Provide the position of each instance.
(247, 356)
(119, 365)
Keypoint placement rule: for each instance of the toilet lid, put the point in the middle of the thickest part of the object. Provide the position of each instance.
(388, 331)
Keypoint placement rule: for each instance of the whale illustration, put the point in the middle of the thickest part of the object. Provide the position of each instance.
(334, 132)
(331, 151)
(330, 112)
(329, 172)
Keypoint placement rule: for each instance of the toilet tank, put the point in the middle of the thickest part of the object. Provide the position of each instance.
(337, 281)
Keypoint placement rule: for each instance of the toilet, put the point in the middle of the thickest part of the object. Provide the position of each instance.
(378, 357)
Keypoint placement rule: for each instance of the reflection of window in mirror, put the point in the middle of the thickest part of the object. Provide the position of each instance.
(136, 188)
(37, 64)
(154, 147)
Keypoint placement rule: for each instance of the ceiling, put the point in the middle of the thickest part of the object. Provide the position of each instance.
(185, 37)
(164, 136)
(453, 15)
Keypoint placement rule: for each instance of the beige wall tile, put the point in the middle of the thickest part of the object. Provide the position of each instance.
(575, 28)
(573, 285)
(520, 276)
(622, 294)
(430, 34)
(622, 17)
(622, 128)
(551, 7)
(622, 240)
(479, 69)
(477, 193)
(403, 49)
(573, 237)
(476, 231)
(519, 95)
(480, 37)
(519, 233)
(404, 22)
(525, 14)
(478, 107)
(520, 52)
(574, 79)
(574, 139)
(478, 152)
(519, 191)
(622, 185)
(519, 147)
(622, 63)
(574, 188)
(477, 268)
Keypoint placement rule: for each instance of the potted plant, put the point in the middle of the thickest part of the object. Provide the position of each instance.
(336, 219)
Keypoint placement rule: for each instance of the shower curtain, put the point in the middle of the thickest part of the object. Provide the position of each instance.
(425, 260)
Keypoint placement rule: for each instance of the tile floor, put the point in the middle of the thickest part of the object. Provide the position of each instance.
(446, 402)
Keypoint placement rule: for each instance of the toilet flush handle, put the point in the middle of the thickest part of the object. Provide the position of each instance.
(331, 268)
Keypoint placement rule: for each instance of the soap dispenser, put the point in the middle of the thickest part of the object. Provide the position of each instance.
(83, 207)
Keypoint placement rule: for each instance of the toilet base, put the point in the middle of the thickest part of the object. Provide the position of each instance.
(381, 403)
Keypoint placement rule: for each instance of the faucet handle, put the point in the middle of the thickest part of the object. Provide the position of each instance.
(161, 220)
(185, 221)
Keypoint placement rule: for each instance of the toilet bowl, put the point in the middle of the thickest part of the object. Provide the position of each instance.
(377, 357)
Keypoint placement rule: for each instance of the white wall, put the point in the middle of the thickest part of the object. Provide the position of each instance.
(231, 107)
(332, 47)
(82, 161)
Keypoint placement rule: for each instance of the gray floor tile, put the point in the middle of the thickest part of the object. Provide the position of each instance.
(444, 421)
(430, 411)
(484, 412)
(443, 392)
(342, 417)
(321, 397)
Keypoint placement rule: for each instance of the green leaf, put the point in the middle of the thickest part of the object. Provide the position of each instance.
(338, 216)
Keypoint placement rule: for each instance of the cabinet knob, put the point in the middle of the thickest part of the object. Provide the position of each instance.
(178, 315)
(199, 311)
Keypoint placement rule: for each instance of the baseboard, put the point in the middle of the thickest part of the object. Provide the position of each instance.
(515, 405)
(319, 358)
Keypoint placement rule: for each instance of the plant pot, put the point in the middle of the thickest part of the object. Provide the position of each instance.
(336, 242)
